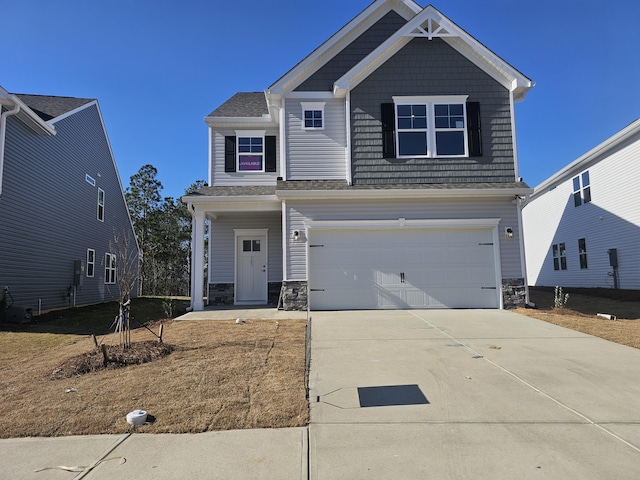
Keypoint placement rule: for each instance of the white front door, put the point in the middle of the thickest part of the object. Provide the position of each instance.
(251, 269)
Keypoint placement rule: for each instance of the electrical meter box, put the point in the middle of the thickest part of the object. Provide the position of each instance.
(78, 272)
(613, 257)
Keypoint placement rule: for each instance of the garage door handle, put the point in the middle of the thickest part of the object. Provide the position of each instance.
(488, 288)
(316, 289)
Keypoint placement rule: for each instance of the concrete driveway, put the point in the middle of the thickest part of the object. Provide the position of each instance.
(457, 394)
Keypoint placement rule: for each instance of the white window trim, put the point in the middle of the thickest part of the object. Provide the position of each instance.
(430, 102)
(313, 106)
(250, 134)
(100, 204)
(90, 180)
(93, 264)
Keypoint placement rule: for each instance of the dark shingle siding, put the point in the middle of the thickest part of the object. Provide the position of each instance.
(48, 107)
(335, 68)
(243, 104)
(430, 68)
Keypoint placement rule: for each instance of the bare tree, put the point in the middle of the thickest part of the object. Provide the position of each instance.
(126, 253)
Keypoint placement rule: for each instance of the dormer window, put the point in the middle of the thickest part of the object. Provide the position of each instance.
(313, 115)
(250, 152)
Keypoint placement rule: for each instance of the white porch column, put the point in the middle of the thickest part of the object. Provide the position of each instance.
(197, 260)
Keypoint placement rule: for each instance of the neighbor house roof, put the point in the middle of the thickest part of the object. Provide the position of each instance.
(48, 107)
(591, 157)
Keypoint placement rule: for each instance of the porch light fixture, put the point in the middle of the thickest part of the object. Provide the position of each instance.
(508, 232)
(296, 235)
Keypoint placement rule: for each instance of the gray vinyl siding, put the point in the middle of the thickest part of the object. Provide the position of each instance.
(222, 178)
(299, 212)
(323, 79)
(48, 212)
(610, 220)
(316, 154)
(222, 244)
(430, 67)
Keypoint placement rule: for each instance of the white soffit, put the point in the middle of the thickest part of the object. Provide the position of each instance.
(337, 42)
(430, 23)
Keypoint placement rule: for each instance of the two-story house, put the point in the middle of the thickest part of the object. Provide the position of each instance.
(379, 172)
(580, 228)
(61, 204)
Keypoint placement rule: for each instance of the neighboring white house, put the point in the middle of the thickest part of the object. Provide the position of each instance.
(582, 225)
(379, 172)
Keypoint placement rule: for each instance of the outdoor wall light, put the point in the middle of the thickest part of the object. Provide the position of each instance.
(508, 232)
(296, 235)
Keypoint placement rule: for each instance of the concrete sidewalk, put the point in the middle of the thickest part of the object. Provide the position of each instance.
(504, 397)
(265, 454)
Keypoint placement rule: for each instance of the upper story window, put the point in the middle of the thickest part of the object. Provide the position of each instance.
(250, 152)
(312, 115)
(431, 127)
(90, 180)
(100, 204)
(581, 189)
(559, 256)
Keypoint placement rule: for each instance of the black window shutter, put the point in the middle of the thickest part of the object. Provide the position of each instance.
(473, 129)
(388, 117)
(230, 153)
(270, 153)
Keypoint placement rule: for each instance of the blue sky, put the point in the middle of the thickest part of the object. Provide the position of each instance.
(159, 67)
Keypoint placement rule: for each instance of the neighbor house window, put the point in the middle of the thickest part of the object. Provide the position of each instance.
(250, 151)
(313, 115)
(582, 249)
(559, 256)
(581, 189)
(109, 268)
(90, 180)
(91, 262)
(431, 126)
(100, 204)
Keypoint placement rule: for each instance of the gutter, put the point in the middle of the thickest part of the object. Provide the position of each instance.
(3, 130)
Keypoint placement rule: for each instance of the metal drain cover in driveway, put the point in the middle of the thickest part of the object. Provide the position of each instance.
(391, 395)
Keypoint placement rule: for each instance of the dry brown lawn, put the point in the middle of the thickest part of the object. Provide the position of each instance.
(582, 308)
(220, 376)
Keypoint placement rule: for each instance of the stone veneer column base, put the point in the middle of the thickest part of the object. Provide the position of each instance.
(293, 296)
(223, 293)
(513, 293)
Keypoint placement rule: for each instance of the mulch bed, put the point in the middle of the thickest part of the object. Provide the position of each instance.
(118, 356)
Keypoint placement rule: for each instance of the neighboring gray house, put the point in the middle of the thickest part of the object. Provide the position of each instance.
(61, 202)
(582, 224)
(379, 172)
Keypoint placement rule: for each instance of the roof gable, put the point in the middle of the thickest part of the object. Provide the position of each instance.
(430, 23)
(337, 42)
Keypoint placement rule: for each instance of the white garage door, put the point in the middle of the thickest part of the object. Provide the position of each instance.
(408, 268)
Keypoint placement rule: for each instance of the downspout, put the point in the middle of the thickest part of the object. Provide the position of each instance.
(519, 202)
(3, 130)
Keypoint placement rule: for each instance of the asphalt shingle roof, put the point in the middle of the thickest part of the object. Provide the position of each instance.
(243, 104)
(48, 107)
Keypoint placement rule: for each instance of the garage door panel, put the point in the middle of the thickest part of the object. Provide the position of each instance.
(397, 268)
